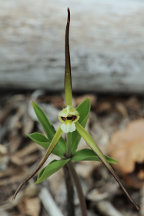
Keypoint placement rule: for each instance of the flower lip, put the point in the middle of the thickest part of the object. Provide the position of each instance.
(68, 127)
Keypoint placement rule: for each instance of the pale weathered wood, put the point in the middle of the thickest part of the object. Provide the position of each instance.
(107, 44)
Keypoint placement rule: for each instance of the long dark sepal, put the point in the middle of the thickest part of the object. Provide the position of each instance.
(48, 152)
(68, 82)
(89, 140)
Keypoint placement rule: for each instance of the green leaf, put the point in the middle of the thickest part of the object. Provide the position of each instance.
(50, 169)
(60, 148)
(83, 110)
(89, 155)
(49, 130)
(46, 124)
(39, 139)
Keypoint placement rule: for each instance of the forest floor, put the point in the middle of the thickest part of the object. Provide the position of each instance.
(117, 125)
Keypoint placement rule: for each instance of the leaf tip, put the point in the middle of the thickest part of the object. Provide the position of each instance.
(32, 103)
(115, 161)
(87, 100)
(28, 135)
(68, 10)
(37, 181)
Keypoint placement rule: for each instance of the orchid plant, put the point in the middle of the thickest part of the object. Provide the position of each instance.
(73, 121)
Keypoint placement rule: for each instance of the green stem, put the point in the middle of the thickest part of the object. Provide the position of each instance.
(69, 144)
(78, 188)
(70, 192)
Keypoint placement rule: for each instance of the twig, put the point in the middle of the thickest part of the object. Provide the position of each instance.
(107, 209)
(49, 204)
(142, 201)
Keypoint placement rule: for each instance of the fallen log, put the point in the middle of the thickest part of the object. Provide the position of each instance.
(106, 40)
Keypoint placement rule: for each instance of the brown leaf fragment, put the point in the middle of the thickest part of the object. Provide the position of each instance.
(133, 180)
(4, 113)
(29, 206)
(12, 179)
(104, 107)
(25, 156)
(91, 97)
(8, 172)
(27, 150)
(127, 147)
(16, 160)
(3, 150)
(57, 101)
(133, 104)
(15, 140)
(30, 159)
(28, 125)
(31, 190)
(121, 109)
(141, 174)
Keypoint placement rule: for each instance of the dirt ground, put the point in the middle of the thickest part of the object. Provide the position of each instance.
(117, 125)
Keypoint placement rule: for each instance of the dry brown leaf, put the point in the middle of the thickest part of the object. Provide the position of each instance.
(84, 168)
(8, 172)
(28, 125)
(104, 107)
(4, 113)
(133, 180)
(21, 159)
(16, 160)
(29, 206)
(121, 109)
(3, 150)
(80, 99)
(141, 174)
(31, 190)
(30, 159)
(25, 156)
(57, 101)
(127, 146)
(15, 140)
(13, 179)
(29, 149)
(133, 103)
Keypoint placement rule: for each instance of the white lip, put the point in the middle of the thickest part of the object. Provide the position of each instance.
(66, 128)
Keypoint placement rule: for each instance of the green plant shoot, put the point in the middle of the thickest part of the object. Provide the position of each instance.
(73, 121)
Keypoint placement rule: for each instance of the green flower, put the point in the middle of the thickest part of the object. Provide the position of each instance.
(68, 116)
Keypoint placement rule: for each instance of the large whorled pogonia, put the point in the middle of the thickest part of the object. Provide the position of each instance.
(69, 117)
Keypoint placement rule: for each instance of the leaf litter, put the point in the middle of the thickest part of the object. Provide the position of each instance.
(117, 126)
